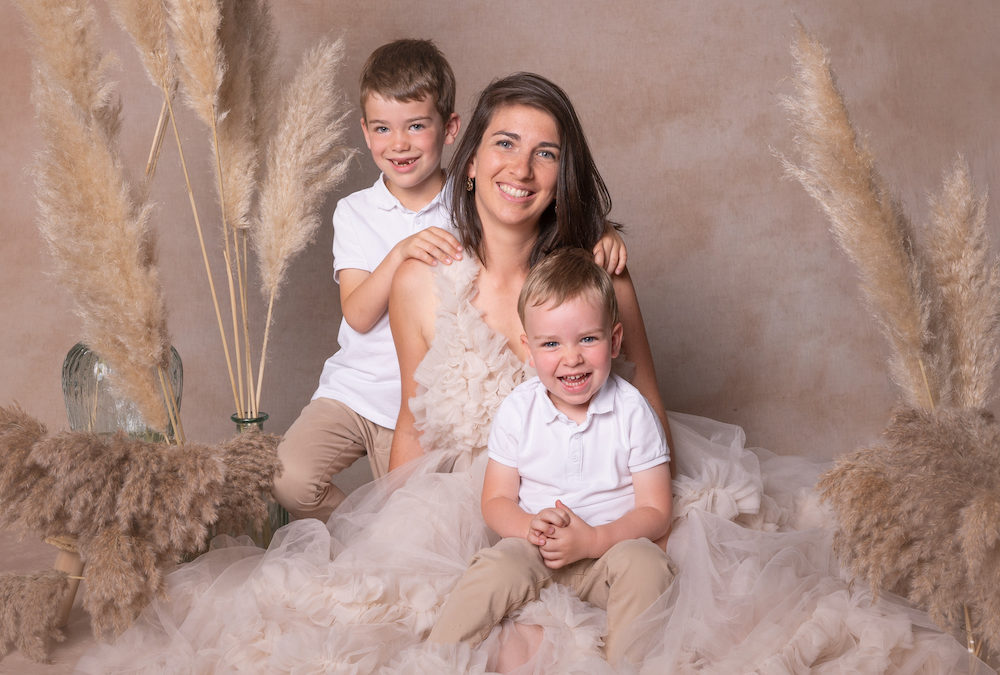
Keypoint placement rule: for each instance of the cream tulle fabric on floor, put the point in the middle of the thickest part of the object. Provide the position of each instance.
(758, 589)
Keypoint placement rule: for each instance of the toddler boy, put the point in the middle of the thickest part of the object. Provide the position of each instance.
(578, 481)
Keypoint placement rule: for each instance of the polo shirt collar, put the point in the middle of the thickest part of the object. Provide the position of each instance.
(387, 201)
(603, 401)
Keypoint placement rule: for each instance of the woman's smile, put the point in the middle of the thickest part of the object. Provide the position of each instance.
(516, 166)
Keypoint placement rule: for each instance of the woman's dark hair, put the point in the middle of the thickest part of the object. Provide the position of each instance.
(582, 197)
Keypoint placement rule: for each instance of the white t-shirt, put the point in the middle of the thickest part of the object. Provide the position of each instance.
(588, 466)
(364, 373)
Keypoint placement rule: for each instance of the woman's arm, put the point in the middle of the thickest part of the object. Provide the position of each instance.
(635, 346)
(412, 303)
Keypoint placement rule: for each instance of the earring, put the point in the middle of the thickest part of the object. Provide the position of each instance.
(470, 185)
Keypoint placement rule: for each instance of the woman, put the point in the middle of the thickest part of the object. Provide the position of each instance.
(523, 183)
(755, 591)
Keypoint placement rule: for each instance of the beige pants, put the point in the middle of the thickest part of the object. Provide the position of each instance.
(624, 581)
(326, 438)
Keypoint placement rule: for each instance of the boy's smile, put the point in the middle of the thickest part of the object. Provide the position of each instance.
(571, 347)
(405, 139)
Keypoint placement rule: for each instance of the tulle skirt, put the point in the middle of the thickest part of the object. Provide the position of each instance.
(758, 588)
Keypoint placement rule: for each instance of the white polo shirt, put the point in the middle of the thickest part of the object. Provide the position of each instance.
(364, 373)
(588, 466)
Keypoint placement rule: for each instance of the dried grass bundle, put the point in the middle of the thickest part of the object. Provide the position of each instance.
(919, 515)
(306, 159)
(969, 279)
(29, 608)
(135, 507)
(838, 171)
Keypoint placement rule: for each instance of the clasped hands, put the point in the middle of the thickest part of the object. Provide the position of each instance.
(562, 537)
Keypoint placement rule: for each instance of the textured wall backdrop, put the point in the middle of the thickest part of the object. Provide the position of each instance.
(753, 313)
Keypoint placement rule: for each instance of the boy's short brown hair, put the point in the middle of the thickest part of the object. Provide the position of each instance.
(565, 274)
(409, 70)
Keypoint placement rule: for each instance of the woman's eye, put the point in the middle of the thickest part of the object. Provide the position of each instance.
(504, 143)
(547, 154)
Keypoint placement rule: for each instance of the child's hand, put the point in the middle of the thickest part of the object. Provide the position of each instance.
(610, 252)
(431, 246)
(569, 543)
(545, 523)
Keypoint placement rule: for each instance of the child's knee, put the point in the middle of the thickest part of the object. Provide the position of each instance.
(509, 559)
(641, 559)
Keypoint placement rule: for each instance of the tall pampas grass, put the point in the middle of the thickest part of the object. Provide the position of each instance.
(838, 171)
(918, 513)
(306, 158)
(94, 222)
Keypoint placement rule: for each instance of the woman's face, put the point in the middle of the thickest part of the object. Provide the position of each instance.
(516, 167)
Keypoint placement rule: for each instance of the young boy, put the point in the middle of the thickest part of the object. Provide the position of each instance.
(578, 481)
(407, 104)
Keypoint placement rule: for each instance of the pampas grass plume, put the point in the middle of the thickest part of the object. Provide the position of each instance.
(306, 159)
(838, 171)
(66, 46)
(146, 22)
(194, 26)
(969, 279)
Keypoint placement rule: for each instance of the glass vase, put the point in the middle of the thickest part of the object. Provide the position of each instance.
(93, 404)
(277, 516)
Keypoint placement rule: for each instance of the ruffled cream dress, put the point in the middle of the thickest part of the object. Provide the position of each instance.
(758, 589)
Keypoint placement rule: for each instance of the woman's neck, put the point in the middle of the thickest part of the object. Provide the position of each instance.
(499, 285)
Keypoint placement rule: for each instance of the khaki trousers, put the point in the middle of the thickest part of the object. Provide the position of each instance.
(624, 581)
(326, 438)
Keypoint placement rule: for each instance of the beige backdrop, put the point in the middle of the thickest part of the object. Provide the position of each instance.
(753, 313)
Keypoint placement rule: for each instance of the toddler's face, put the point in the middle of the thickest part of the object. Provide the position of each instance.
(571, 347)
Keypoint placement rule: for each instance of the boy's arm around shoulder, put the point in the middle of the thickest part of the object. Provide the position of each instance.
(364, 296)
(412, 304)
